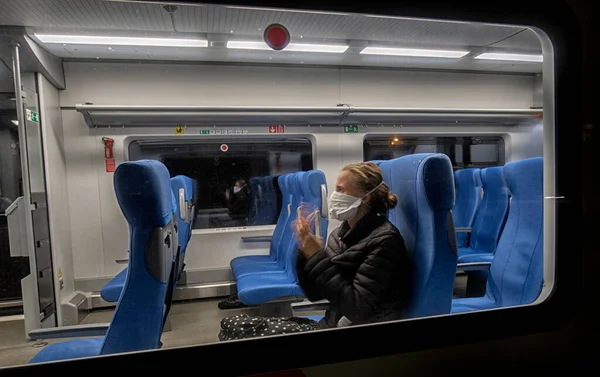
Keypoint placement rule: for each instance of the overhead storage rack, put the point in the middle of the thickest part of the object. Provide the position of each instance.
(161, 116)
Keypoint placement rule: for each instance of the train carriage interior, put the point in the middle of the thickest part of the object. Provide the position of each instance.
(154, 158)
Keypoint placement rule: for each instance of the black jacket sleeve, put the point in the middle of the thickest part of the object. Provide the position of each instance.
(306, 282)
(357, 296)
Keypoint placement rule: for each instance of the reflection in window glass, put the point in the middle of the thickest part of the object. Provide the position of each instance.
(236, 180)
(464, 152)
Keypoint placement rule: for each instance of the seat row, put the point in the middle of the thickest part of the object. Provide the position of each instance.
(264, 200)
(481, 209)
(261, 278)
(153, 205)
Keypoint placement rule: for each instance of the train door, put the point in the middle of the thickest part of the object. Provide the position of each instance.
(39, 302)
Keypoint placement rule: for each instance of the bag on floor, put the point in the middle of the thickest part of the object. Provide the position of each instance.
(243, 326)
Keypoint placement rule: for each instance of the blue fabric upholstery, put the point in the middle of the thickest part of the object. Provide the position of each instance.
(490, 217)
(516, 272)
(184, 231)
(258, 288)
(424, 185)
(111, 291)
(253, 263)
(468, 196)
(144, 194)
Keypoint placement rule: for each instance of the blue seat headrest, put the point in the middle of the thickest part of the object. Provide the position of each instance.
(185, 183)
(138, 184)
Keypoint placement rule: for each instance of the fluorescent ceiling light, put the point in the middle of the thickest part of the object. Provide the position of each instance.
(294, 47)
(511, 57)
(413, 52)
(15, 122)
(288, 10)
(121, 41)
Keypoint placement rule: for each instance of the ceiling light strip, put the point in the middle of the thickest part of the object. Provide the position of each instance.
(292, 47)
(121, 41)
(510, 57)
(413, 52)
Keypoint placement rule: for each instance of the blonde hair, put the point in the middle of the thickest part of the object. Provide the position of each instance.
(367, 176)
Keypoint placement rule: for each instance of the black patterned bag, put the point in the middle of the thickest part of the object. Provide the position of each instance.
(243, 326)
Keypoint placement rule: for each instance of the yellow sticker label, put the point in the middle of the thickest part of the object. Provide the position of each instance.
(59, 273)
(179, 130)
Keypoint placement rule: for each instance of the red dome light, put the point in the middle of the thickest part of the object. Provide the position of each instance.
(277, 37)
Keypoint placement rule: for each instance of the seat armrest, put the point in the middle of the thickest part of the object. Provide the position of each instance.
(309, 306)
(77, 331)
(257, 239)
(474, 266)
(463, 229)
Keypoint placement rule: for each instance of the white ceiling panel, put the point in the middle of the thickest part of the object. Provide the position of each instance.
(221, 23)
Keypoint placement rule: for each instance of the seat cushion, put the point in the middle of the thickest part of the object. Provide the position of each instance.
(259, 288)
(463, 305)
(112, 291)
(250, 259)
(256, 268)
(468, 255)
(71, 349)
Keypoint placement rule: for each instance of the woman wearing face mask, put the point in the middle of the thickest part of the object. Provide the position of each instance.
(363, 270)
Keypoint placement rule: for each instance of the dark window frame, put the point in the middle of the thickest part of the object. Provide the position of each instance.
(324, 347)
(237, 143)
(485, 138)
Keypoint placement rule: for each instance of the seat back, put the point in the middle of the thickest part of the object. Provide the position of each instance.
(144, 194)
(492, 212)
(516, 273)
(425, 188)
(182, 190)
(313, 186)
(194, 203)
(280, 226)
(467, 199)
(287, 243)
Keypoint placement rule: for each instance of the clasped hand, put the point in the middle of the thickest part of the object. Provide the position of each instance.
(310, 244)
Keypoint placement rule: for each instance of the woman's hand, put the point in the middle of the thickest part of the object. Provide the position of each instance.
(309, 243)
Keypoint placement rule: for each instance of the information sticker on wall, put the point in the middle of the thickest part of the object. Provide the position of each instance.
(110, 166)
(179, 130)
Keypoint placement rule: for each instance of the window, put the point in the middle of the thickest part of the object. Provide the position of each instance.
(463, 151)
(236, 180)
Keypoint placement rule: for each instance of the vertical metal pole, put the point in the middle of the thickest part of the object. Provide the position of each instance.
(31, 294)
(21, 119)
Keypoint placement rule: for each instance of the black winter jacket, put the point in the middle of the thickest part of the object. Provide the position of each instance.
(364, 272)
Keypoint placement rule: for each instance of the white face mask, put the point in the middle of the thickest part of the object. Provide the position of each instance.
(343, 207)
(236, 189)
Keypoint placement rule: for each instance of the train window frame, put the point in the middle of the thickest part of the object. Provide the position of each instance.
(557, 27)
(129, 140)
(499, 136)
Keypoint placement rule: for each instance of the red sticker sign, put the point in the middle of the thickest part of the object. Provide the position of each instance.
(110, 166)
(224, 148)
(277, 129)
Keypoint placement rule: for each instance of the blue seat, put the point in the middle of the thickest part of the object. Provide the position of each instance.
(112, 291)
(182, 187)
(516, 271)
(424, 185)
(254, 289)
(251, 263)
(490, 217)
(144, 195)
(468, 197)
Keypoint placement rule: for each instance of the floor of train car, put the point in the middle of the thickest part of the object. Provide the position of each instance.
(192, 322)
